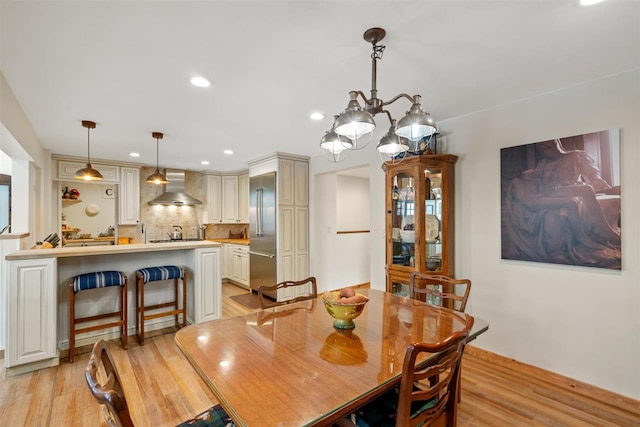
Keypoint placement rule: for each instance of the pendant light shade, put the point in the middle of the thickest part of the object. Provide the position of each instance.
(157, 177)
(88, 173)
(417, 123)
(335, 147)
(392, 146)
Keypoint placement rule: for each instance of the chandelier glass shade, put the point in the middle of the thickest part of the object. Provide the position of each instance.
(88, 173)
(357, 122)
(157, 177)
(335, 147)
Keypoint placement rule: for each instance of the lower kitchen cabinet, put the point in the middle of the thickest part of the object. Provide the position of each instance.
(208, 285)
(32, 311)
(238, 263)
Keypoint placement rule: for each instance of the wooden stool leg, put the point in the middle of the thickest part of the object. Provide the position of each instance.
(72, 323)
(175, 300)
(124, 330)
(184, 299)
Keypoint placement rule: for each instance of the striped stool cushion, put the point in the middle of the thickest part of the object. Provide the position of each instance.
(101, 279)
(166, 272)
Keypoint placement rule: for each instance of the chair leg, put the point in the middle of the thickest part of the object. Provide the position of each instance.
(124, 330)
(72, 323)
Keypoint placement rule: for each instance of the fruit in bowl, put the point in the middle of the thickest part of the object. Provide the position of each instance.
(344, 306)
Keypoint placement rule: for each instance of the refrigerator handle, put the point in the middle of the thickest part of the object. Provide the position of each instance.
(259, 212)
(262, 254)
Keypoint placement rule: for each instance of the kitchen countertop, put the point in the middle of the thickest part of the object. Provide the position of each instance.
(108, 250)
(234, 241)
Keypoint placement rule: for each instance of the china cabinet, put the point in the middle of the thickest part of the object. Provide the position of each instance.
(419, 218)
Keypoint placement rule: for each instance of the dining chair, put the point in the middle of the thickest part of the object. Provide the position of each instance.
(427, 392)
(440, 290)
(105, 385)
(308, 285)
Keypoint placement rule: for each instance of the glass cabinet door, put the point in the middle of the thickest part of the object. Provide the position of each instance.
(433, 219)
(403, 218)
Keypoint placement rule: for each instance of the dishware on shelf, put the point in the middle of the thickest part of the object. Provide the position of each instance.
(343, 313)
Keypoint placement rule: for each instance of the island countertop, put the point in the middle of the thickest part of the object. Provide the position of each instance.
(108, 250)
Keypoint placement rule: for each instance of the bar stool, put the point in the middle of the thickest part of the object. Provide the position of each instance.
(153, 274)
(102, 279)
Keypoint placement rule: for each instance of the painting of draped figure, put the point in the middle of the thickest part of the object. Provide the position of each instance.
(561, 201)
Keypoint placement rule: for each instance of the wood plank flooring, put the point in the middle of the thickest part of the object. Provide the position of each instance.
(163, 390)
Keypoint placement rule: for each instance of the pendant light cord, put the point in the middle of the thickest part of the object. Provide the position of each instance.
(88, 144)
(157, 154)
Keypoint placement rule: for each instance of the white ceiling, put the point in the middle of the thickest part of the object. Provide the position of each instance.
(126, 65)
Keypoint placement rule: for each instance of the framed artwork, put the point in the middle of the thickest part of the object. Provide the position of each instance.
(560, 201)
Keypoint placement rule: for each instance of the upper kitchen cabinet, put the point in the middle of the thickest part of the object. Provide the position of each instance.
(67, 170)
(227, 199)
(419, 218)
(129, 196)
(243, 198)
(293, 179)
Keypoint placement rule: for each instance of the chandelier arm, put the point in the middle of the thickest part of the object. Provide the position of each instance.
(402, 95)
(391, 120)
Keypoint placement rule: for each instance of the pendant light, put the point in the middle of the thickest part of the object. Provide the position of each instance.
(88, 173)
(157, 177)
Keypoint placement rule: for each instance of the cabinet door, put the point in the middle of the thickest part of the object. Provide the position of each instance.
(32, 311)
(285, 190)
(301, 183)
(230, 199)
(213, 199)
(207, 285)
(224, 261)
(243, 198)
(129, 196)
(244, 267)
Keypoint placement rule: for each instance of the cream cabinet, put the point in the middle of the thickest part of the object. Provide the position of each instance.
(67, 170)
(213, 199)
(129, 196)
(238, 263)
(227, 199)
(32, 312)
(208, 285)
(243, 198)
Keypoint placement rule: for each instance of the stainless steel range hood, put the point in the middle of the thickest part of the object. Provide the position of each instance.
(174, 193)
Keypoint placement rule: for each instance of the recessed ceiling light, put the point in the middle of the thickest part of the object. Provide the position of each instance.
(316, 116)
(204, 162)
(228, 152)
(200, 82)
(133, 154)
(590, 2)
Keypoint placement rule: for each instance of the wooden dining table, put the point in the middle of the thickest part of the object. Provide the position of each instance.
(289, 367)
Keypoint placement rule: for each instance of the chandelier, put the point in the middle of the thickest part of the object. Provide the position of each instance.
(352, 129)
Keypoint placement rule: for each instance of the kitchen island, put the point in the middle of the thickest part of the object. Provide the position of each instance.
(38, 293)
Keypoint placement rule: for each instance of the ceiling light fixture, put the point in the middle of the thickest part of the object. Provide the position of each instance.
(204, 162)
(228, 152)
(356, 123)
(316, 116)
(88, 173)
(157, 177)
(200, 82)
(134, 154)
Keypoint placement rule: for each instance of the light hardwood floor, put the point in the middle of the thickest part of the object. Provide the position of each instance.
(163, 390)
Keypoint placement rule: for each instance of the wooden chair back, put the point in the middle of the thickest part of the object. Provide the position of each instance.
(104, 383)
(440, 290)
(432, 387)
(266, 302)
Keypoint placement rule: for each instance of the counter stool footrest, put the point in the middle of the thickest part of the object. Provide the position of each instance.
(153, 307)
(98, 317)
(164, 313)
(97, 327)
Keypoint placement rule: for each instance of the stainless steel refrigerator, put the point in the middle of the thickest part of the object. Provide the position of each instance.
(262, 231)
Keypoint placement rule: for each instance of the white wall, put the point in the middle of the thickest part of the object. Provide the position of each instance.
(580, 322)
(341, 259)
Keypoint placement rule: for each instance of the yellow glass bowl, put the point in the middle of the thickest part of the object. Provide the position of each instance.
(343, 313)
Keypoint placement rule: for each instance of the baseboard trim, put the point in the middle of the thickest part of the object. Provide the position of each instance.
(558, 380)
